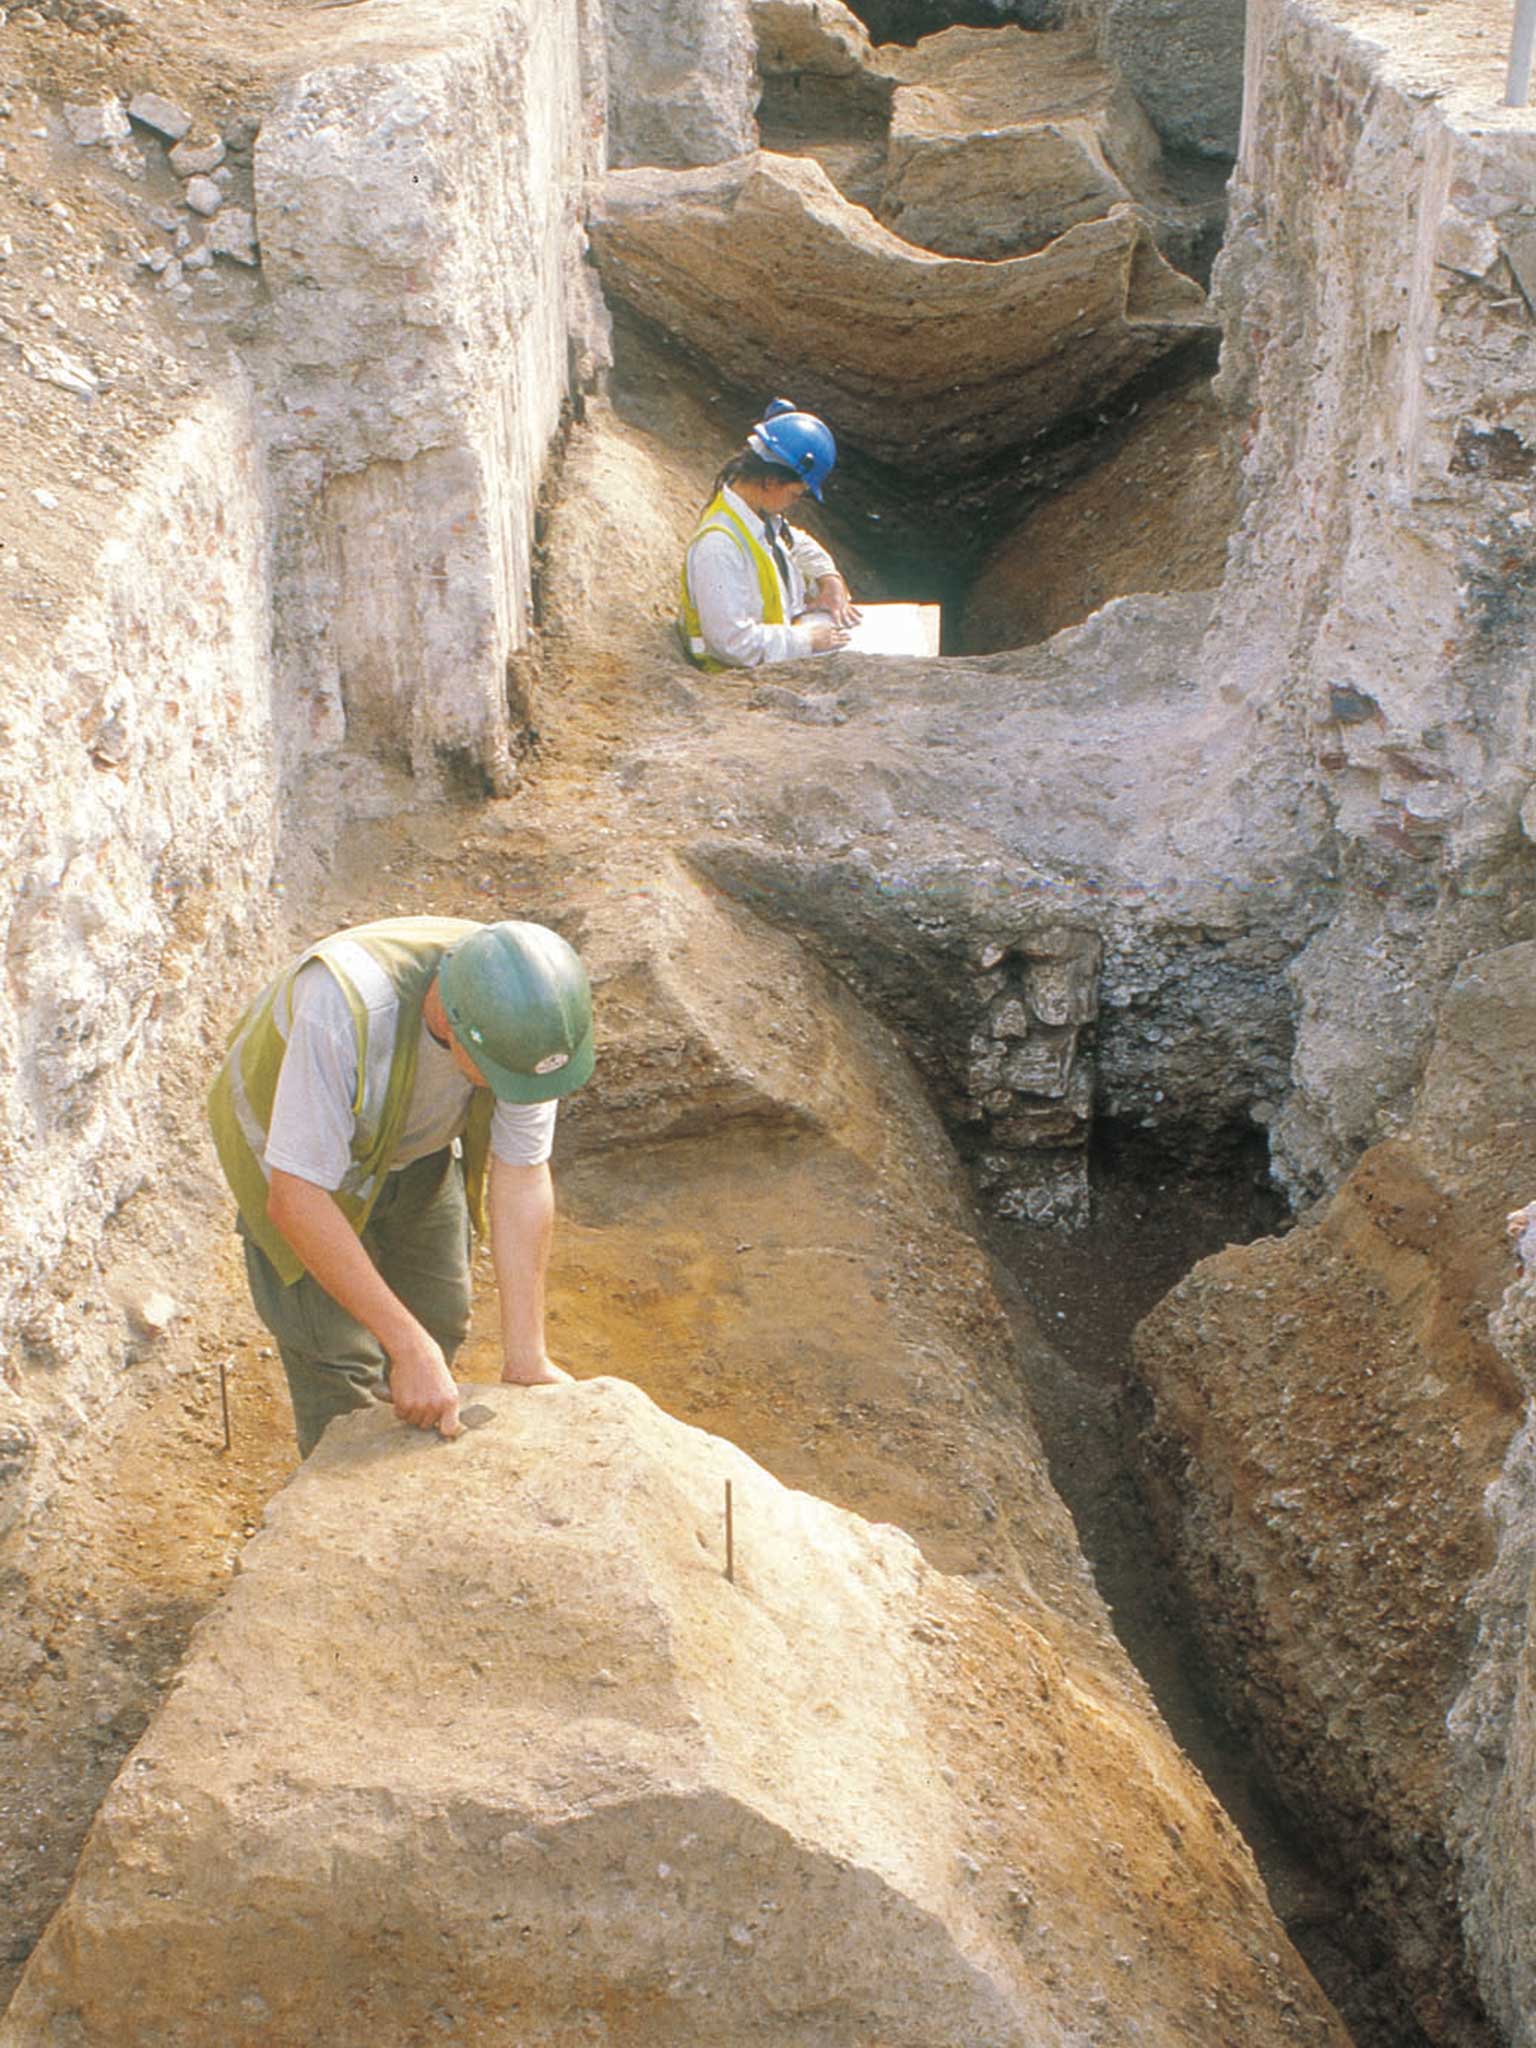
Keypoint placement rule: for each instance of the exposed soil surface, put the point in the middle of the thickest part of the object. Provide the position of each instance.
(99, 354)
(691, 1271)
(1155, 515)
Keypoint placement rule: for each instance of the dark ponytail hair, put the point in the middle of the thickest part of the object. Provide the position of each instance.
(749, 467)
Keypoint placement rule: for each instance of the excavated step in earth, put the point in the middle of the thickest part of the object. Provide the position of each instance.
(1156, 512)
(930, 363)
(1001, 140)
(977, 142)
(991, 142)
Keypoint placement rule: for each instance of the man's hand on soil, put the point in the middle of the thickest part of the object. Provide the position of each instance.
(534, 1372)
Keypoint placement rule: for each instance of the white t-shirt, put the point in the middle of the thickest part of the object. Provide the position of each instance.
(311, 1128)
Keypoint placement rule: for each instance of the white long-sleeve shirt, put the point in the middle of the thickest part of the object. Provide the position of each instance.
(729, 603)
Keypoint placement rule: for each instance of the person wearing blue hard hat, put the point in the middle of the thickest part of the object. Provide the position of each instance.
(754, 588)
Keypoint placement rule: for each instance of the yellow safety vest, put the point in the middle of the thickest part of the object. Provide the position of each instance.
(384, 970)
(720, 518)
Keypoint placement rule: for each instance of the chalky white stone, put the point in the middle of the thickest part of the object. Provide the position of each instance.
(203, 196)
(97, 121)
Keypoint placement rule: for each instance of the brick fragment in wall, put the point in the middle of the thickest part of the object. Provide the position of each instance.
(1496, 452)
(1413, 767)
(1408, 835)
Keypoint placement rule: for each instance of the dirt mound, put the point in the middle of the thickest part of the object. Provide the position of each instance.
(499, 1702)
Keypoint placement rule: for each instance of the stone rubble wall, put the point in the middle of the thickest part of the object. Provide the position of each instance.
(139, 801)
(1377, 364)
(1029, 1086)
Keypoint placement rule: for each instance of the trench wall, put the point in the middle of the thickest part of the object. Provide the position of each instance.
(1378, 294)
(138, 797)
(327, 561)
(1377, 291)
(1493, 1724)
(430, 316)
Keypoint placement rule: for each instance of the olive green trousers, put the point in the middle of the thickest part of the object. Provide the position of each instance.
(418, 1237)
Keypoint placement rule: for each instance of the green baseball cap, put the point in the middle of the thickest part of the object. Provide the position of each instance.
(519, 1003)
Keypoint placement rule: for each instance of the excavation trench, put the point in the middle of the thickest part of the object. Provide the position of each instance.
(1154, 1217)
(766, 1227)
(745, 1276)
(978, 261)
(1135, 494)
(1162, 1197)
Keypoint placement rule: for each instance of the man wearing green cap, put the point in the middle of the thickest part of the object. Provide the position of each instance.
(392, 1084)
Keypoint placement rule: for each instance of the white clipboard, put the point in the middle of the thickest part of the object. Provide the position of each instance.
(893, 629)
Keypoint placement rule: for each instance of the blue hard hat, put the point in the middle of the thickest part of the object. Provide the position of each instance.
(797, 441)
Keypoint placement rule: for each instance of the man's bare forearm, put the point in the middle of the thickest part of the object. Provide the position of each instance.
(522, 1230)
(333, 1253)
(420, 1383)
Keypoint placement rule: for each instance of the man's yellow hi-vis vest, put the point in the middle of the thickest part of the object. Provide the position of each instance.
(384, 970)
(720, 518)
